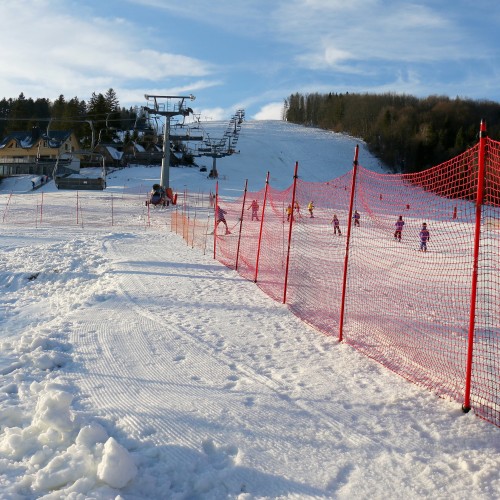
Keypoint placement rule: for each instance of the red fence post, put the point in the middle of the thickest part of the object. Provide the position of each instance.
(194, 226)
(260, 230)
(215, 214)
(475, 271)
(241, 225)
(346, 258)
(290, 230)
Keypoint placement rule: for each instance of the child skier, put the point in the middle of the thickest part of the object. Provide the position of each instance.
(255, 207)
(399, 227)
(336, 225)
(219, 217)
(310, 207)
(356, 218)
(297, 209)
(424, 237)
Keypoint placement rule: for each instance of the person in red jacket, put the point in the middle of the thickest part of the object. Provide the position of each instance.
(255, 208)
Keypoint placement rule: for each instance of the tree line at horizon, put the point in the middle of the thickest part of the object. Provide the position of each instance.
(408, 134)
(103, 110)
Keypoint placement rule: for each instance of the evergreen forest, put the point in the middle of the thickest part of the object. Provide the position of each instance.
(408, 134)
(100, 118)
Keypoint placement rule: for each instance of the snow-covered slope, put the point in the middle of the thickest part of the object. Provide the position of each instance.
(136, 367)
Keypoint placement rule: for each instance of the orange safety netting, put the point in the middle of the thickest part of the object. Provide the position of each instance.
(74, 208)
(407, 301)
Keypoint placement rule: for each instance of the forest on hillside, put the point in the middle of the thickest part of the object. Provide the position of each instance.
(408, 134)
(101, 116)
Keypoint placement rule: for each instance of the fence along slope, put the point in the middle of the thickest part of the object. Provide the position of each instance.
(405, 308)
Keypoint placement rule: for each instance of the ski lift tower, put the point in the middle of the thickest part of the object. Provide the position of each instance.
(172, 106)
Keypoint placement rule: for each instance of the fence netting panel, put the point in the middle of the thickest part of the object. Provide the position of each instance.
(227, 244)
(317, 254)
(273, 245)
(192, 218)
(408, 286)
(75, 208)
(250, 230)
(408, 301)
(485, 391)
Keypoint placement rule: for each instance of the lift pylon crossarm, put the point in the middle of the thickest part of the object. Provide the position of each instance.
(177, 109)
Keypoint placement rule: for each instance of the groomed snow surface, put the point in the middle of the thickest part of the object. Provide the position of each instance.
(136, 367)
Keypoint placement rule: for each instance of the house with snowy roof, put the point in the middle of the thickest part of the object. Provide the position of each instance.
(112, 155)
(34, 152)
(137, 153)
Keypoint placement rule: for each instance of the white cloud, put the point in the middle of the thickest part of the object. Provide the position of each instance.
(326, 32)
(52, 51)
(72, 48)
(272, 111)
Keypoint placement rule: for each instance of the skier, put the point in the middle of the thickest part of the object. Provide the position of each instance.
(255, 207)
(336, 225)
(424, 237)
(297, 209)
(356, 218)
(289, 212)
(399, 227)
(219, 217)
(310, 207)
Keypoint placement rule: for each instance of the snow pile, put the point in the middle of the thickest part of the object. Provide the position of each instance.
(55, 450)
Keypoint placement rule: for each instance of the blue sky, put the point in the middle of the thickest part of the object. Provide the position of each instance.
(249, 54)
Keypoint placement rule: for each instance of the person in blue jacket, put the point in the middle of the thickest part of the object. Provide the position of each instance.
(356, 218)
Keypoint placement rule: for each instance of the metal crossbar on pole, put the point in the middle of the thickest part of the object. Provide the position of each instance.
(167, 113)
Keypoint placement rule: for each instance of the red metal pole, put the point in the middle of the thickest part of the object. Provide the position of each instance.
(215, 213)
(194, 227)
(290, 231)
(241, 225)
(260, 230)
(477, 235)
(346, 258)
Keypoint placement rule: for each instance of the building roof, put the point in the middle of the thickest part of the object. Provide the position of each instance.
(27, 140)
(113, 152)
